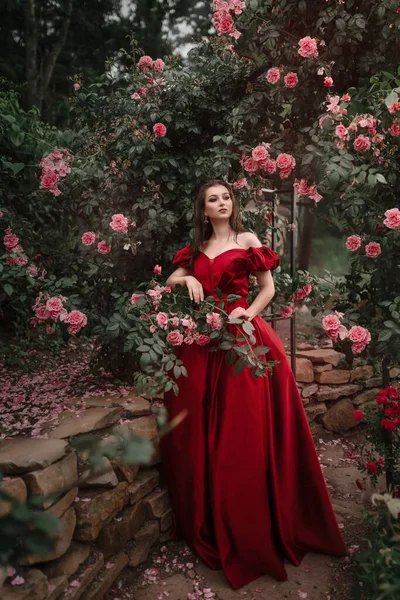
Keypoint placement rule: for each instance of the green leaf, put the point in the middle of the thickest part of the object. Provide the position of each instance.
(392, 97)
(177, 371)
(248, 327)
(240, 366)
(230, 357)
(261, 350)
(380, 178)
(8, 288)
(47, 522)
(137, 450)
(143, 348)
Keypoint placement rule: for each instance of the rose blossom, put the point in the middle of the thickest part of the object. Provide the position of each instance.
(341, 132)
(76, 320)
(353, 242)
(49, 180)
(157, 269)
(308, 47)
(360, 336)
(174, 321)
(395, 128)
(346, 98)
(322, 121)
(392, 220)
(77, 86)
(54, 306)
(241, 183)
(10, 240)
(175, 338)
(285, 161)
(250, 165)
(103, 248)
(393, 108)
(162, 320)
(215, 321)
(273, 75)
(160, 130)
(145, 62)
(271, 166)
(362, 143)
(42, 314)
(188, 340)
(259, 153)
(119, 223)
(291, 80)
(372, 467)
(135, 297)
(288, 310)
(373, 249)
(358, 415)
(201, 339)
(88, 238)
(328, 82)
(158, 65)
(299, 295)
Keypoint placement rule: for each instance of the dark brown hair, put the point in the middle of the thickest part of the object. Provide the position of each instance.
(203, 231)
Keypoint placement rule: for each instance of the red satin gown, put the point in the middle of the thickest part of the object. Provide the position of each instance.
(245, 483)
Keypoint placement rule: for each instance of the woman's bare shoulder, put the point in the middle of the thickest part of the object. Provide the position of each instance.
(247, 239)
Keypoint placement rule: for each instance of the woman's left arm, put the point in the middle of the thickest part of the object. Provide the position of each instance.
(265, 295)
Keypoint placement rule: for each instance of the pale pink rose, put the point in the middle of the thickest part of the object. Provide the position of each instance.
(42, 314)
(62, 168)
(10, 241)
(49, 180)
(241, 183)
(358, 347)
(141, 91)
(273, 75)
(395, 129)
(259, 153)
(162, 320)
(333, 104)
(17, 248)
(285, 173)
(152, 328)
(32, 270)
(188, 340)
(285, 161)
(362, 143)
(328, 82)
(301, 187)
(341, 132)
(299, 295)
(315, 195)
(88, 238)
(54, 305)
(346, 98)
(307, 288)
(160, 130)
(367, 121)
(395, 107)
(175, 338)
(215, 321)
(135, 297)
(288, 310)
(18, 580)
(77, 86)
(103, 248)
(145, 62)
(308, 47)
(157, 270)
(271, 166)
(119, 223)
(135, 96)
(392, 220)
(360, 336)
(76, 320)
(291, 80)
(250, 165)
(158, 65)
(201, 339)
(18, 261)
(225, 24)
(353, 242)
(373, 249)
(174, 321)
(331, 322)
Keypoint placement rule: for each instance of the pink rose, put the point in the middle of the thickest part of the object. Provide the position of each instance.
(392, 220)
(201, 339)
(42, 314)
(225, 24)
(241, 183)
(76, 320)
(174, 321)
(135, 96)
(10, 241)
(373, 249)
(328, 82)
(308, 47)
(1, 214)
(393, 108)
(135, 297)
(250, 165)
(331, 322)
(341, 132)
(49, 330)
(158, 65)
(119, 223)
(285, 161)
(299, 295)
(162, 320)
(88, 238)
(395, 128)
(359, 335)
(160, 130)
(259, 153)
(291, 80)
(175, 338)
(77, 86)
(273, 75)
(157, 270)
(49, 180)
(353, 242)
(271, 166)
(346, 98)
(54, 305)
(103, 248)
(322, 121)
(188, 340)
(288, 310)
(215, 321)
(362, 143)
(145, 62)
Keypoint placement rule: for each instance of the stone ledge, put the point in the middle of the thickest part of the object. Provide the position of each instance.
(22, 455)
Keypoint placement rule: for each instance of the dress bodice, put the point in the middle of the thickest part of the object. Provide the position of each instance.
(228, 271)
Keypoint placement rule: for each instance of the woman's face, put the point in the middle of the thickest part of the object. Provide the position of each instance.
(218, 203)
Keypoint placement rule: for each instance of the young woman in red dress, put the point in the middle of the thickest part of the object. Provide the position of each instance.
(246, 486)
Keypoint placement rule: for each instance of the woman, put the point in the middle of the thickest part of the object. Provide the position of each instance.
(243, 474)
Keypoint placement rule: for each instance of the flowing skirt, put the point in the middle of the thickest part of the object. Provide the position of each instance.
(246, 486)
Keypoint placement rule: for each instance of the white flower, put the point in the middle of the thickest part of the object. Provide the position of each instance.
(393, 504)
(127, 246)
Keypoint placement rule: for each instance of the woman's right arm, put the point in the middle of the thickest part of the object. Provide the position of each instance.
(183, 277)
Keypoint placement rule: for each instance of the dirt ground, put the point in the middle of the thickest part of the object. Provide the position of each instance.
(173, 571)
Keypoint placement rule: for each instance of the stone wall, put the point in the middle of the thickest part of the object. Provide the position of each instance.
(330, 393)
(108, 521)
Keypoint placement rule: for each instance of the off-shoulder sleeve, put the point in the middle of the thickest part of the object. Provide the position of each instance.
(261, 259)
(182, 257)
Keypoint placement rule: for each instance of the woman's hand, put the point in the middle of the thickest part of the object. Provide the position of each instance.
(241, 313)
(195, 289)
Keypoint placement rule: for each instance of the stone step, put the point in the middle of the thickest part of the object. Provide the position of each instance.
(21, 455)
(91, 419)
(81, 580)
(105, 578)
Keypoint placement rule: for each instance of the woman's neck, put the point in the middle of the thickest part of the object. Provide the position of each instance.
(222, 232)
